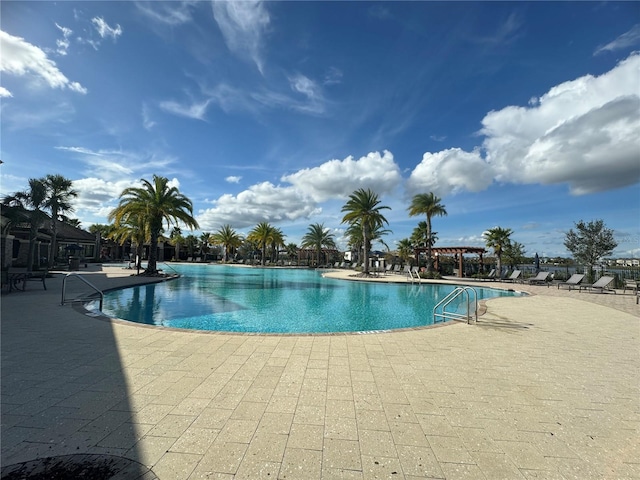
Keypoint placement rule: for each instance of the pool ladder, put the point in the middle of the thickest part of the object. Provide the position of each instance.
(440, 313)
(91, 285)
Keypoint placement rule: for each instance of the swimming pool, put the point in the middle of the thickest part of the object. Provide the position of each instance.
(274, 300)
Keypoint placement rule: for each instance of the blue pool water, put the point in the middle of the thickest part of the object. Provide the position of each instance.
(268, 300)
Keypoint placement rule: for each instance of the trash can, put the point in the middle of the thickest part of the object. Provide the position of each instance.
(74, 264)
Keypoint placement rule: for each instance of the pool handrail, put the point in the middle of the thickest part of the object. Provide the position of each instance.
(455, 315)
(74, 274)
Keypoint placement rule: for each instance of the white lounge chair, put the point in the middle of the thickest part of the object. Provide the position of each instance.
(573, 281)
(541, 278)
(600, 286)
(515, 275)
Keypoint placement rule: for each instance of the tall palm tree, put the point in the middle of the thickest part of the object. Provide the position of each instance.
(177, 238)
(317, 237)
(499, 239)
(277, 242)
(191, 242)
(59, 195)
(228, 238)
(427, 204)
(29, 204)
(363, 208)
(262, 235)
(203, 242)
(156, 203)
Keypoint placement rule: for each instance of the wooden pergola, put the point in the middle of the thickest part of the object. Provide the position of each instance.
(460, 251)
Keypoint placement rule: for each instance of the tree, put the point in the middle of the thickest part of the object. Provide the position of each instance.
(427, 204)
(228, 238)
(499, 239)
(59, 195)
(262, 235)
(156, 203)
(177, 238)
(405, 249)
(590, 242)
(363, 208)
(514, 254)
(29, 204)
(191, 242)
(277, 241)
(318, 236)
(132, 228)
(292, 250)
(203, 243)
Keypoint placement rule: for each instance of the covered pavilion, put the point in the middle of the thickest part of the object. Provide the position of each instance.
(459, 251)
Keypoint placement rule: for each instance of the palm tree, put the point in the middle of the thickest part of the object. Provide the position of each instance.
(177, 238)
(134, 229)
(261, 235)
(405, 249)
(292, 250)
(277, 241)
(156, 203)
(427, 204)
(363, 208)
(228, 238)
(499, 239)
(59, 195)
(29, 204)
(203, 241)
(317, 237)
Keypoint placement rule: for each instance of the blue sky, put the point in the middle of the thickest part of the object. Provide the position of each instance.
(519, 115)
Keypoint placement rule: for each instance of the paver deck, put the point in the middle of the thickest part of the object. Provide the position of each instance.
(546, 386)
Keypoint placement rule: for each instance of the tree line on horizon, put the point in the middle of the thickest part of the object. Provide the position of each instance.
(143, 212)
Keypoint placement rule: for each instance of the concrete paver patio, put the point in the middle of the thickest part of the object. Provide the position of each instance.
(545, 386)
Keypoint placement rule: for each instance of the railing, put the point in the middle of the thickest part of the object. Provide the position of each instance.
(64, 286)
(443, 315)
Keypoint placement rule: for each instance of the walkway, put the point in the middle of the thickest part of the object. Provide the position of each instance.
(546, 386)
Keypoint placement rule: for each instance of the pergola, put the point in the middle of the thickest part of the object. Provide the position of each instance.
(460, 251)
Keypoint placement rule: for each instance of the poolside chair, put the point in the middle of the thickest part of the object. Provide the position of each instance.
(492, 274)
(396, 268)
(515, 275)
(541, 278)
(630, 284)
(601, 286)
(573, 281)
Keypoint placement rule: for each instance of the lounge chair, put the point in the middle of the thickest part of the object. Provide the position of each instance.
(515, 275)
(492, 274)
(541, 278)
(573, 281)
(600, 286)
(630, 284)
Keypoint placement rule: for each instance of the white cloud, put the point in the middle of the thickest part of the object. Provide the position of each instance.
(169, 13)
(337, 179)
(21, 58)
(309, 89)
(583, 132)
(233, 179)
(261, 202)
(450, 171)
(5, 93)
(243, 25)
(628, 39)
(104, 30)
(196, 110)
(64, 42)
(147, 123)
(113, 165)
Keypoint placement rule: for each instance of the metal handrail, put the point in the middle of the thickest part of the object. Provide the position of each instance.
(450, 298)
(64, 282)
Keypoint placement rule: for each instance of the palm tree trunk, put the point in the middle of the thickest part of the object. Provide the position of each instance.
(428, 245)
(53, 247)
(153, 254)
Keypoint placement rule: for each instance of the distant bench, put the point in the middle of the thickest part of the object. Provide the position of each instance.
(17, 278)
